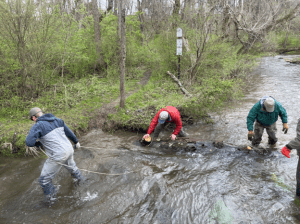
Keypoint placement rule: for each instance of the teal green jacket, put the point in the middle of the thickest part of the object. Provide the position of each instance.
(265, 118)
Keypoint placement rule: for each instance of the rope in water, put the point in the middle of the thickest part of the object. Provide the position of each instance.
(91, 147)
(108, 174)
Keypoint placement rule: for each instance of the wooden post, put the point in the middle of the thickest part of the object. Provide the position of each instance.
(178, 66)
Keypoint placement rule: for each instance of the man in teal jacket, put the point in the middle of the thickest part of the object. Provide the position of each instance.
(265, 114)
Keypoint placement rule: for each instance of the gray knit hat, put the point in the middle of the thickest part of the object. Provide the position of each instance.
(269, 104)
(33, 112)
(163, 116)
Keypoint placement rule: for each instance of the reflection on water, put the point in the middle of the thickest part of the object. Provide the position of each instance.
(210, 185)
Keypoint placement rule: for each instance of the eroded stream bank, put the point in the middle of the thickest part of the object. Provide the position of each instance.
(205, 185)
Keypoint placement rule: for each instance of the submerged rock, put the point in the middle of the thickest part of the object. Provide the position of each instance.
(191, 145)
(293, 60)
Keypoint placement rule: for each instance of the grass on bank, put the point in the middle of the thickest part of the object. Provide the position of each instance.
(211, 92)
(221, 80)
(74, 102)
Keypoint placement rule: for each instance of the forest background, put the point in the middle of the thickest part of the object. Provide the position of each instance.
(73, 58)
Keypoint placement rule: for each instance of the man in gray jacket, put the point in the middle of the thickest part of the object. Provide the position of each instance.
(53, 134)
(294, 144)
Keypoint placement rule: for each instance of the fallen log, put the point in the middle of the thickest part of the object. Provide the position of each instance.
(179, 84)
(293, 61)
(282, 51)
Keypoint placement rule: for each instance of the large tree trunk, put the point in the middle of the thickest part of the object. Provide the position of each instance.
(241, 7)
(287, 35)
(123, 55)
(141, 18)
(200, 50)
(188, 10)
(176, 7)
(110, 5)
(116, 4)
(78, 15)
(226, 18)
(96, 16)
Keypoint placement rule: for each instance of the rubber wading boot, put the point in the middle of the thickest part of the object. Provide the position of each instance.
(182, 134)
(272, 143)
(50, 194)
(78, 178)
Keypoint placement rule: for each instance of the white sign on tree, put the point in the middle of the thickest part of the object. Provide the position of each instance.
(179, 48)
(179, 32)
(179, 42)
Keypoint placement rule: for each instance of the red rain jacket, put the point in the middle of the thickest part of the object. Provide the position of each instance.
(175, 117)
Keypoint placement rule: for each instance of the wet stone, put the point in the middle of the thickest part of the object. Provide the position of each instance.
(191, 145)
(218, 144)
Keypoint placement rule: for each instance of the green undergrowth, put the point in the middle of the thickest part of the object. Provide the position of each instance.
(292, 41)
(279, 40)
(218, 79)
(214, 90)
(74, 102)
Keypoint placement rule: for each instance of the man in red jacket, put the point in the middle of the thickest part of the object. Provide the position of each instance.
(166, 114)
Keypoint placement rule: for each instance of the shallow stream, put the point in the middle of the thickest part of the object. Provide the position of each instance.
(209, 185)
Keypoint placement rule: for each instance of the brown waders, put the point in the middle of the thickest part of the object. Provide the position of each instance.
(259, 130)
(159, 127)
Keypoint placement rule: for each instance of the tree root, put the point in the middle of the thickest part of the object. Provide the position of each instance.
(32, 151)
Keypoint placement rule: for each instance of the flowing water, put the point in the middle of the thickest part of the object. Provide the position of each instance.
(209, 185)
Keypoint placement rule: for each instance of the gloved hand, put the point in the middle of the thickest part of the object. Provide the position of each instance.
(146, 136)
(173, 137)
(77, 146)
(38, 144)
(250, 135)
(285, 128)
(285, 151)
